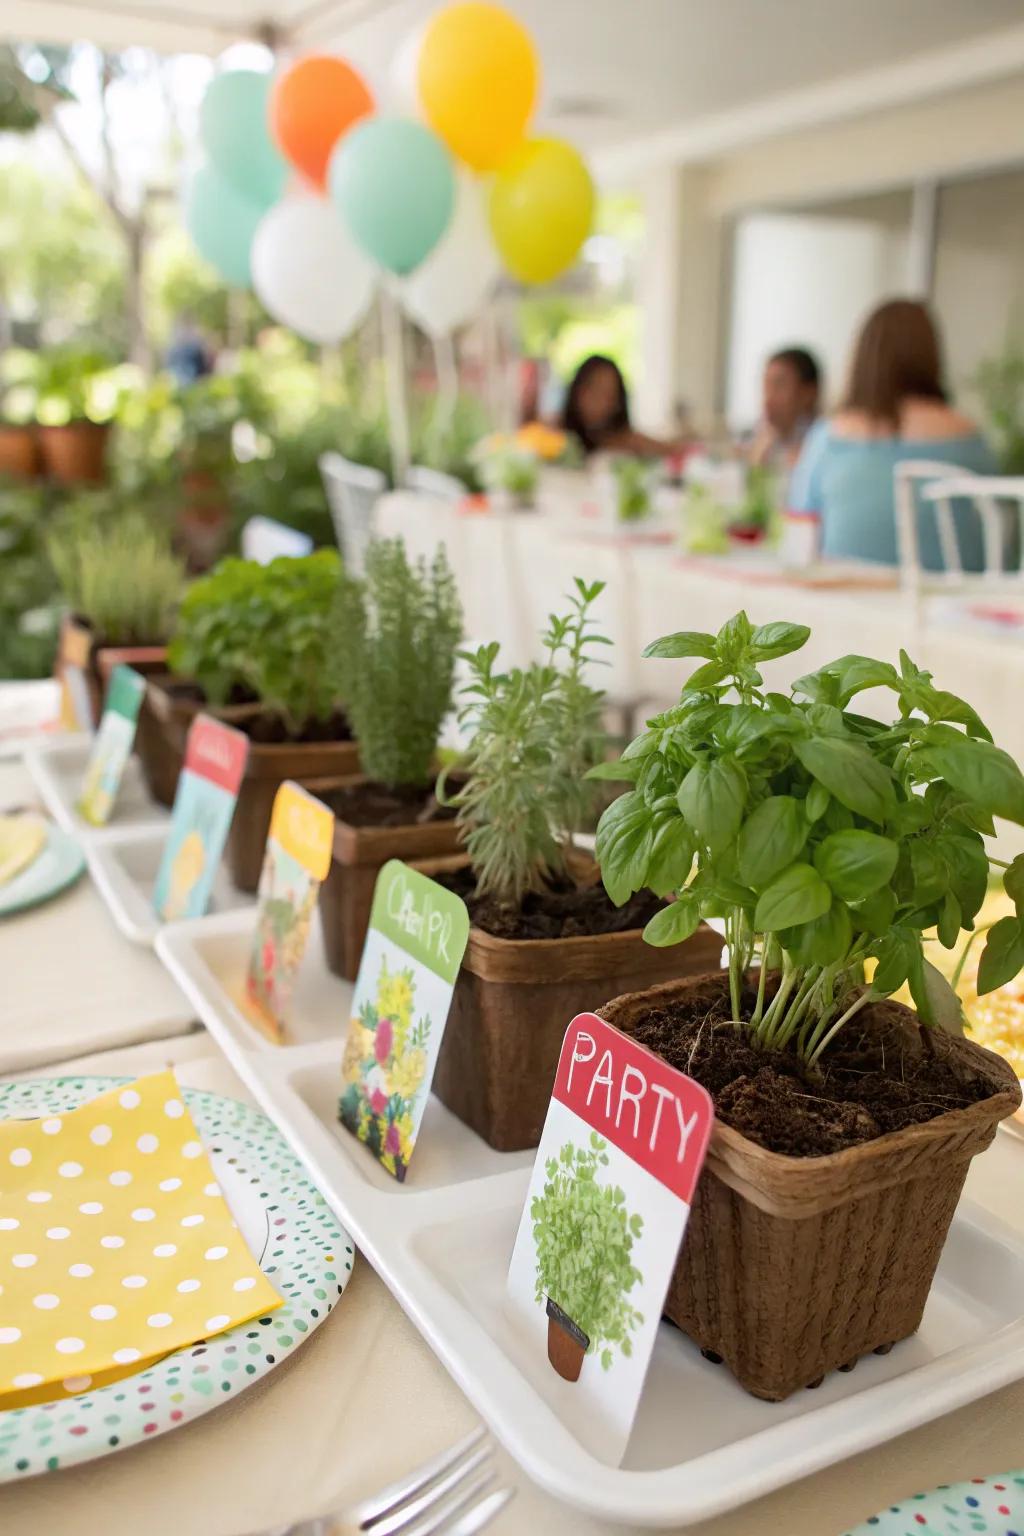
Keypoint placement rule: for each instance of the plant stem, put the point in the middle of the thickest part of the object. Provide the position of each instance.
(855, 1007)
(732, 937)
(759, 1005)
(777, 1006)
(954, 980)
(786, 1027)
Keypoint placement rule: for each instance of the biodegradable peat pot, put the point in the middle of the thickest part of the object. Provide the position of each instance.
(75, 454)
(796, 1266)
(358, 856)
(515, 998)
(19, 451)
(567, 1344)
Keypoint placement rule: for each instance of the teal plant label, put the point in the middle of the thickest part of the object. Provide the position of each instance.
(622, 1149)
(417, 937)
(113, 745)
(215, 758)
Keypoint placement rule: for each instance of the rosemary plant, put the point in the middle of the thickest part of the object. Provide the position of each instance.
(536, 731)
(122, 576)
(395, 637)
(824, 839)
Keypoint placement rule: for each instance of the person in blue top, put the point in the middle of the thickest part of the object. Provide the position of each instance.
(896, 408)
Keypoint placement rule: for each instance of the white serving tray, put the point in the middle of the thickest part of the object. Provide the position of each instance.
(58, 770)
(124, 866)
(442, 1242)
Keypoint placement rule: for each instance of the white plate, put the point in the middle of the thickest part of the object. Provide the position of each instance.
(442, 1242)
(58, 769)
(124, 868)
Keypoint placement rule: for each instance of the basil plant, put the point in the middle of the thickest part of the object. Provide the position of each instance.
(823, 838)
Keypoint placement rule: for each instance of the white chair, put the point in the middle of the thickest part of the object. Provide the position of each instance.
(352, 491)
(264, 539)
(928, 488)
(434, 482)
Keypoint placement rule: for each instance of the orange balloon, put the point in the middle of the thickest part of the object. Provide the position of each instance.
(312, 103)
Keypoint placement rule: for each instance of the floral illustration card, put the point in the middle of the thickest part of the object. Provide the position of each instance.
(621, 1152)
(113, 745)
(297, 859)
(417, 937)
(215, 757)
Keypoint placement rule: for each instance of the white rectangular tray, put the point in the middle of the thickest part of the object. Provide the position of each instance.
(442, 1243)
(124, 866)
(58, 769)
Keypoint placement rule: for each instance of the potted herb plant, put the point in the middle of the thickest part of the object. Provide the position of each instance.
(74, 423)
(252, 645)
(545, 941)
(121, 583)
(395, 634)
(845, 1121)
(584, 1236)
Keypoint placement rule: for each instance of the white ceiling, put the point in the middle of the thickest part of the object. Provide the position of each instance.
(614, 71)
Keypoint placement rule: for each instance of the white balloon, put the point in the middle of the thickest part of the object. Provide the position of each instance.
(308, 271)
(455, 281)
(403, 90)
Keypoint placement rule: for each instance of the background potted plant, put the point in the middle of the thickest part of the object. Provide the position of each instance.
(252, 644)
(74, 412)
(121, 582)
(19, 443)
(545, 942)
(394, 638)
(583, 1234)
(845, 1121)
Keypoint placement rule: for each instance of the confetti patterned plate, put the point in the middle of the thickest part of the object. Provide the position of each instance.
(290, 1230)
(986, 1506)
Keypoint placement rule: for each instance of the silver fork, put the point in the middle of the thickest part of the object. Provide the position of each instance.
(454, 1494)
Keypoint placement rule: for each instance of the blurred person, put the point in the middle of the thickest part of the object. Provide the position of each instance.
(188, 357)
(596, 411)
(896, 408)
(791, 393)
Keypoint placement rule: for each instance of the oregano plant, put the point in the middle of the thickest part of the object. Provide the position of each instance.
(823, 838)
(396, 630)
(534, 734)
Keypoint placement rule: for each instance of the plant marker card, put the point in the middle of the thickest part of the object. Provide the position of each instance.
(418, 934)
(297, 859)
(73, 649)
(113, 745)
(623, 1145)
(215, 756)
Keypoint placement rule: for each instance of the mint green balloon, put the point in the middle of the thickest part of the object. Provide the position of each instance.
(393, 182)
(235, 132)
(222, 222)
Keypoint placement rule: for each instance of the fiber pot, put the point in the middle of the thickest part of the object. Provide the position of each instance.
(359, 853)
(75, 454)
(796, 1266)
(514, 1000)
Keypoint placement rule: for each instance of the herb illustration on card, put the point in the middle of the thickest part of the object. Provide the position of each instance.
(113, 745)
(297, 859)
(215, 757)
(417, 937)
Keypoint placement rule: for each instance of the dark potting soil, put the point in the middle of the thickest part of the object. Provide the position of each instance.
(563, 911)
(262, 726)
(883, 1072)
(380, 805)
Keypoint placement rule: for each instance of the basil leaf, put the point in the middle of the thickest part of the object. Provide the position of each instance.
(856, 863)
(848, 771)
(687, 642)
(895, 957)
(929, 871)
(982, 773)
(623, 846)
(816, 803)
(671, 856)
(949, 923)
(622, 772)
(1003, 956)
(943, 1009)
(771, 838)
(824, 941)
(968, 871)
(712, 797)
(771, 640)
(707, 676)
(798, 895)
(674, 923)
(1013, 882)
(875, 915)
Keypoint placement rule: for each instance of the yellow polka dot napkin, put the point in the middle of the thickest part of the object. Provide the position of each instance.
(116, 1244)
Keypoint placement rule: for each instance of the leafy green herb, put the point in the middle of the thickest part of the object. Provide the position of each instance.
(584, 1238)
(122, 576)
(395, 634)
(824, 838)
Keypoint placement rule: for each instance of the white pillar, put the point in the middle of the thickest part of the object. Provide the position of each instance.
(658, 297)
(921, 239)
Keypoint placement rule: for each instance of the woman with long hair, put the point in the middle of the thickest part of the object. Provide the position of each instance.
(896, 408)
(596, 411)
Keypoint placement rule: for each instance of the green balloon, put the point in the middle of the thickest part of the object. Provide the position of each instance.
(392, 179)
(235, 132)
(222, 222)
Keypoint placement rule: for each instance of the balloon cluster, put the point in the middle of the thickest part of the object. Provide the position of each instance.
(308, 193)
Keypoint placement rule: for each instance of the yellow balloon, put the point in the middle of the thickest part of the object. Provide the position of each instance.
(477, 79)
(541, 209)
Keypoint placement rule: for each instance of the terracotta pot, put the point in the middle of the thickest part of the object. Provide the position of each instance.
(19, 452)
(567, 1344)
(514, 1000)
(359, 854)
(796, 1266)
(75, 454)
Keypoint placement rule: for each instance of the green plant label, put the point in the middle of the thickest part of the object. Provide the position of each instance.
(622, 1149)
(113, 746)
(417, 937)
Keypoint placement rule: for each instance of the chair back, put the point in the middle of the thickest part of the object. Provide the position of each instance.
(352, 491)
(434, 482)
(929, 487)
(264, 539)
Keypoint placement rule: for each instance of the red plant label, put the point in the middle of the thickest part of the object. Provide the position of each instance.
(216, 752)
